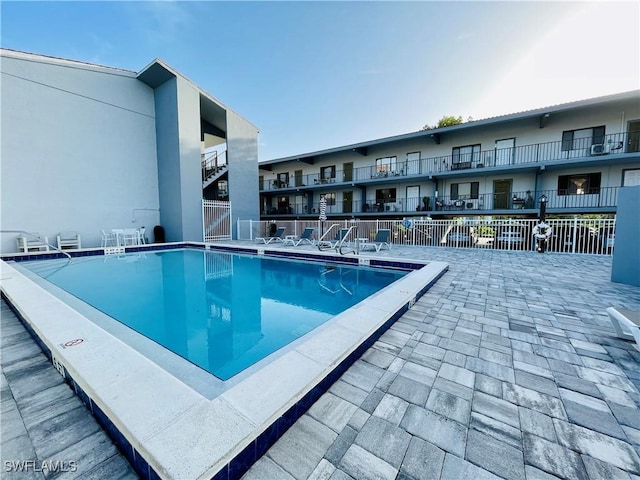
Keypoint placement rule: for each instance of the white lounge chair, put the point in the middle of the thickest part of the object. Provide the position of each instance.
(305, 237)
(626, 323)
(381, 240)
(276, 237)
(69, 240)
(32, 242)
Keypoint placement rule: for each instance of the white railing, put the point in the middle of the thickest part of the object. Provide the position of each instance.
(592, 236)
(216, 220)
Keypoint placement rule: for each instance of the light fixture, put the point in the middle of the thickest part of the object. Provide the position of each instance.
(543, 198)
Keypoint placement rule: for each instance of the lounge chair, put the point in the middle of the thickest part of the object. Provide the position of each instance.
(276, 237)
(381, 240)
(305, 237)
(30, 242)
(626, 323)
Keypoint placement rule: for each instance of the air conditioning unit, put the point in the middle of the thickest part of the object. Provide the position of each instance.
(600, 149)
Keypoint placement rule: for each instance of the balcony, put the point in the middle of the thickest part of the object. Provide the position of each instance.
(487, 160)
(523, 203)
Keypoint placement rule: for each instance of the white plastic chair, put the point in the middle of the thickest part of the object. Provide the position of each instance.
(109, 239)
(142, 240)
(130, 236)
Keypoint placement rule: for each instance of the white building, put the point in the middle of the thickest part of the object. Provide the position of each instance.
(86, 147)
(577, 155)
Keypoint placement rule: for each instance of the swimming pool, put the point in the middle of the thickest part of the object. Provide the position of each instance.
(221, 311)
(169, 426)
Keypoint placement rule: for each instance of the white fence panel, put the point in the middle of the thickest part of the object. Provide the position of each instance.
(591, 236)
(216, 220)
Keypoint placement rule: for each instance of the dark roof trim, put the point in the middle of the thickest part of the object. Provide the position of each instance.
(158, 72)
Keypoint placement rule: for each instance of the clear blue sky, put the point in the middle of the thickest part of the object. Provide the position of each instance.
(315, 75)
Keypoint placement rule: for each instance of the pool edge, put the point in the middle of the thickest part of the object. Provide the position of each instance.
(246, 452)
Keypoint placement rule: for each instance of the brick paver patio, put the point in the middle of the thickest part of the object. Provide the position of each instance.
(507, 368)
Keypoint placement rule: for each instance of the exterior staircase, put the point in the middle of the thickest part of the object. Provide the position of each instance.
(213, 167)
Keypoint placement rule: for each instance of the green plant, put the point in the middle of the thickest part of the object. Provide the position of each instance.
(446, 121)
(425, 201)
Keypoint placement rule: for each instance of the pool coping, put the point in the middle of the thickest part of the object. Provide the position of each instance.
(164, 427)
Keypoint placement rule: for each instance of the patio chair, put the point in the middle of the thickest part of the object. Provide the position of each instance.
(68, 240)
(305, 237)
(30, 242)
(130, 236)
(276, 237)
(381, 240)
(109, 239)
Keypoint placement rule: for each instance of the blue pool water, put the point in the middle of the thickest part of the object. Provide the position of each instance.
(221, 311)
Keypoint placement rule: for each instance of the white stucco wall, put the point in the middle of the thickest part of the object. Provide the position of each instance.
(242, 142)
(78, 149)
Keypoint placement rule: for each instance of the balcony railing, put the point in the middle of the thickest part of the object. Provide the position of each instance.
(494, 158)
(487, 203)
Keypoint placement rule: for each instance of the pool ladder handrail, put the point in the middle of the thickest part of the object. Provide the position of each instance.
(324, 244)
(356, 250)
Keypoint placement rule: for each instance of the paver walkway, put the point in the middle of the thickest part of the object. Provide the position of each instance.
(46, 431)
(506, 368)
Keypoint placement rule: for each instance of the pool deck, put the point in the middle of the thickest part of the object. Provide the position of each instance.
(507, 367)
(43, 420)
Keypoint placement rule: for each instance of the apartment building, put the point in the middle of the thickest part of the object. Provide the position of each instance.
(574, 156)
(88, 147)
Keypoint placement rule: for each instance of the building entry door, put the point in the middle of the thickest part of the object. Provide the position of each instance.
(413, 164)
(504, 151)
(501, 194)
(633, 143)
(347, 202)
(413, 198)
(348, 172)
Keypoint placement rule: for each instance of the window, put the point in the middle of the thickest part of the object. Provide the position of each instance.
(223, 188)
(327, 173)
(465, 191)
(631, 177)
(386, 164)
(466, 154)
(582, 139)
(386, 195)
(330, 198)
(582, 184)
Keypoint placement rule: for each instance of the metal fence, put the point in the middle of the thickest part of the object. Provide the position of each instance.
(592, 236)
(216, 220)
